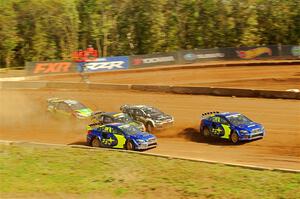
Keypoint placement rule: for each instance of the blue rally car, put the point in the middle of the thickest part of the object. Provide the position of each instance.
(232, 126)
(121, 136)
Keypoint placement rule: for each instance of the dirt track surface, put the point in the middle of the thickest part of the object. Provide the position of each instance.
(279, 77)
(23, 116)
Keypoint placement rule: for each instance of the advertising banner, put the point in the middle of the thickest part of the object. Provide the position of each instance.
(191, 56)
(248, 53)
(38, 68)
(290, 51)
(137, 61)
(107, 63)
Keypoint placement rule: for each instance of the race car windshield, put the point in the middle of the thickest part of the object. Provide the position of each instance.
(129, 130)
(238, 119)
(77, 106)
(152, 111)
(123, 118)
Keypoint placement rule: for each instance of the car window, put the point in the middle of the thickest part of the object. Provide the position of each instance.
(116, 131)
(223, 121)
(138, 112)
(131, 111)
(107, 119)
(64, 107)
(216, 119)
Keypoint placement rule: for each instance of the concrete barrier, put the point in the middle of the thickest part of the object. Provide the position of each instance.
(23, 85)
(191, 90)
(109, 86)
(279, 94)
(152, 88)
(155, 88)
(67, 85)
(234, 92)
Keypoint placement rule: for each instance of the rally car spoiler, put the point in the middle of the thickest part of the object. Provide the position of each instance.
(52, 99)
(124, 107)
(209, 113)
(97, 112)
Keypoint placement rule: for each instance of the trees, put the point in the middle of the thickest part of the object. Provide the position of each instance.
(38, 30)
(8, 33)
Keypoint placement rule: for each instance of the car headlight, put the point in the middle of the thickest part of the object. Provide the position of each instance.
(243, 132)
(141, 141)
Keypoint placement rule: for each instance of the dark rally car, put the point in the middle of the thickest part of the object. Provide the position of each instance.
(100, 118)
(151, 117)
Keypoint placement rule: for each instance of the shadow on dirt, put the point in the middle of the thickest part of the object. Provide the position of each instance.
(78, 143)
(82, 143)
(193, 135)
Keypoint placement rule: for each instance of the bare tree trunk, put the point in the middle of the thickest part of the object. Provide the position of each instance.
(98, 46)
(105, 44)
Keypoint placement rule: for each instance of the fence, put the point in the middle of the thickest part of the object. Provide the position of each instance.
(172, 58)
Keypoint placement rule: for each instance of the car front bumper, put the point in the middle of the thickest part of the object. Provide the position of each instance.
(164, 125)
(252, 136)
(146, 145)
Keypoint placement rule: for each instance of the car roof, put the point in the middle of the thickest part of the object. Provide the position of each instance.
(67, 101)
(114, 124)
(139, 106)
(223, 114)
(112, 114)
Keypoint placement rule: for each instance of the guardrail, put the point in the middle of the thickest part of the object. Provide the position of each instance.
(232, 92)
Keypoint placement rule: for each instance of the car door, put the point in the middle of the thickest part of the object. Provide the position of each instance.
(63, 109)
(216, 129)
(120, 138)
(139, 115)
(226, 127)
(108, 140)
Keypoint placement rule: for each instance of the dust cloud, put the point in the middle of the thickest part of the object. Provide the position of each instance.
(25, 115)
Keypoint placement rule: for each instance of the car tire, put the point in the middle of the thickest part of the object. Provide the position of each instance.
(205, 132)
(95, 142)
(234, 137)
(149, 127)
(129, 145)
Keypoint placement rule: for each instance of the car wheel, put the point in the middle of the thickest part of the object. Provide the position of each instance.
(205, 132)
(95, 142)
(149, 127)
(129, 145)
(234, 138)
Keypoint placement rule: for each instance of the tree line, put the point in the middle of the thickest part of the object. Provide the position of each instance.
(43, 30)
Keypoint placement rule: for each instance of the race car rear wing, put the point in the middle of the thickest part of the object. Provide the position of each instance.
(204, 115)
(124, 107)
(97, 112)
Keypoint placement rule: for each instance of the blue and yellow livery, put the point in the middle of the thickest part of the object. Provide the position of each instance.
(232, 126)
(120, 136)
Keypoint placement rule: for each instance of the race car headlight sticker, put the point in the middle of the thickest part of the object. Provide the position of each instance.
(141, 141)
(243, 132)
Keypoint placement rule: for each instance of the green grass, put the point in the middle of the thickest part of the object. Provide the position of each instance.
(60, 172)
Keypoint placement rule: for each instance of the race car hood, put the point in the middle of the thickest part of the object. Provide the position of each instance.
(142, 136)
(250, 127)
(139, 125)
(85, 112)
